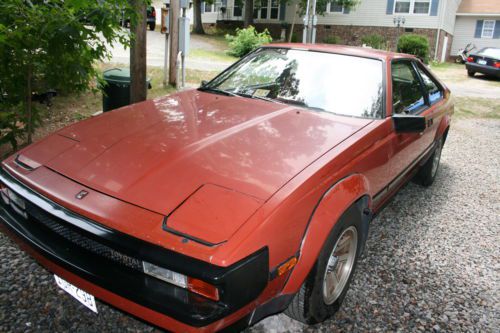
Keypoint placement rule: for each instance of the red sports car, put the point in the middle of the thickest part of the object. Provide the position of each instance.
(212, 208)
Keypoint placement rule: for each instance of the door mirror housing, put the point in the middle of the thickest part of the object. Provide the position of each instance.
(405, 123)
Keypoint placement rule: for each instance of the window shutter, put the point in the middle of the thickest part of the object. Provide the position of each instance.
(282, 10)
(496, 33)
(434, 7)
(479, 28)
(390, 7)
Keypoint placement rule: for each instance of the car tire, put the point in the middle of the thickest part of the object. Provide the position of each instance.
(471, 73)
(427, 173)
(314, 303)
(152, 26)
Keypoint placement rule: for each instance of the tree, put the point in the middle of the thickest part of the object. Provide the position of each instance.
(248, 18)
(138, 89)
(198, 22)
(51, 44)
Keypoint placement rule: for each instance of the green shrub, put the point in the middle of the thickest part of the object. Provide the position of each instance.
(247, 40)
(375, 41)
(332, 40)
(416, 45)
(294, 39)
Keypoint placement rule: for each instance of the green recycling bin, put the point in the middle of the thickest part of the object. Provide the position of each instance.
(116, 93)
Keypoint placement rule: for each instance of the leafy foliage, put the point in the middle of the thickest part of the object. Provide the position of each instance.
(332, 40)
(247, 40)
(51, 44)
(414, 44)
(375, 41)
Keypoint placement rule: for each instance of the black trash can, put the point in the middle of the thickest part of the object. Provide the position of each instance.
(117, 91)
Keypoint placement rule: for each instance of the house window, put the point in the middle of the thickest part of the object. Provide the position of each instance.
(402, 6)
(208, 7)
(488, 29)
(237, 11)
(412, 7)
(335, 7)
(275, 7)
(421, 6)
(267, 9)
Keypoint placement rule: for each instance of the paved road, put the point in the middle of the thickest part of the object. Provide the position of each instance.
(462, 85)
(156, 51)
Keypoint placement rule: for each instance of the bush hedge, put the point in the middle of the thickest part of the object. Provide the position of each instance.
(247, 40)
(414, 44)
(332, 40)
(375, 41)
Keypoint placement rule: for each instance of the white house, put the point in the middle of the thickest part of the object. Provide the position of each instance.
(446, 23)
(477, 22)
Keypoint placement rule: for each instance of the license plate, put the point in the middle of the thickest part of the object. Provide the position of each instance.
(82, 296)
(481, 62)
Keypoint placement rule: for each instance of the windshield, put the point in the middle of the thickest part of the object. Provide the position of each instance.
(340, 84)
(490, 52)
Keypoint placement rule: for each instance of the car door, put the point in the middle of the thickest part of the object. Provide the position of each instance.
(410, 95)
(434, 94)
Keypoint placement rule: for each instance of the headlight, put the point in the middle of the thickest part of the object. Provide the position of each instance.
(194, 285)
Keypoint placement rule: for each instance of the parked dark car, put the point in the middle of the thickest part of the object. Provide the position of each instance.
(485, 61)
(150, 18)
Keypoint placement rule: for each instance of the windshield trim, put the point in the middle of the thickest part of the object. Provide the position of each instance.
(383, 69)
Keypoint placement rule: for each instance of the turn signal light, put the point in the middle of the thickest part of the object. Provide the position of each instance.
(202, 288)
(470, 59)
(194, 285)
(497, 64)
(286, 266)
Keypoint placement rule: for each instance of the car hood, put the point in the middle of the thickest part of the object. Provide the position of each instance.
(158, 153)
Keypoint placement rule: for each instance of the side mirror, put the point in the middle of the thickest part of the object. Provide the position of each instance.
(404, 123)
(203, 83)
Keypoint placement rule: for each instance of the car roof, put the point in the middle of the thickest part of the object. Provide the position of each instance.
(344, 49)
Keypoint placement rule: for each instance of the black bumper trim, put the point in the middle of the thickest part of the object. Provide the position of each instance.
(238, 284)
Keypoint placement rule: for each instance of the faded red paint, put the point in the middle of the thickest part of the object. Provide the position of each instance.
(253, 171)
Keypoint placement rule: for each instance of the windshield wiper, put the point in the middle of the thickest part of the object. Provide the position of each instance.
(300, 103)
(217, 91)
(257, 97)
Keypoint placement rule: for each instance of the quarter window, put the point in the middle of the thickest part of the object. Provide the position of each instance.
(488, 29)
(431, 86)
(407, 96)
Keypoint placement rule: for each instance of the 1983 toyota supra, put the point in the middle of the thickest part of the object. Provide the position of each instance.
(212, 208)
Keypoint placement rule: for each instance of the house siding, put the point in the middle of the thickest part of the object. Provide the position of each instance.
(448, 15)
(372, 13)
(465, 28)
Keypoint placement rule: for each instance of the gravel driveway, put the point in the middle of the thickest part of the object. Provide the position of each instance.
(432, 261)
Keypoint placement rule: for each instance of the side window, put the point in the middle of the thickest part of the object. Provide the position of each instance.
(407, 95)
(431, 87)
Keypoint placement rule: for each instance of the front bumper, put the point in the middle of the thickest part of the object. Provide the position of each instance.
(488, 70)
(111, 261)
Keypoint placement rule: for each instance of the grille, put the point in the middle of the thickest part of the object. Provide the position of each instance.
(59, 227)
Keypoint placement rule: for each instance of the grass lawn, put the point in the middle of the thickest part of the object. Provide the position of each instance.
(471, 107)
(215, 55)
(72, 108)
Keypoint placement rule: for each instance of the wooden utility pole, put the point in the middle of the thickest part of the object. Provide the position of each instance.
(138, 87)
(174, 40)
